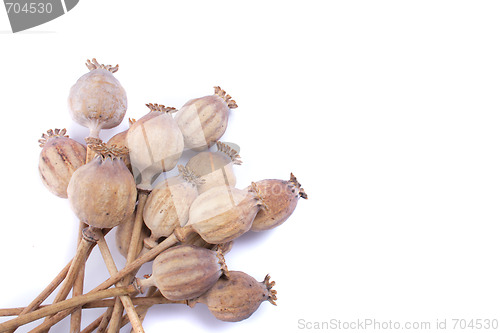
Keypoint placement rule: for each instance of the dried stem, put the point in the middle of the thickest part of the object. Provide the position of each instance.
(63, 305)
(127, 303)
(134, 246)
(149, 300)
(76, 317)
(129, 268)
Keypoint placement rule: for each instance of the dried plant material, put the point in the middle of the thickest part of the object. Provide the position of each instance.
(185, 272)
(120, 140)
(203, 120)
(196, 240)
(281, 197)
(167, 206)
(124, 233)
(59, 158)
(223, 213)
(102, 193)
(155, 142)
(97, 100)
(237, 297)
(216, 168)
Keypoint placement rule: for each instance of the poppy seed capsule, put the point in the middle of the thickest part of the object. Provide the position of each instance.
(155, 143)
(167, 206)
(237, 297)
(97, 100)
(185, 272)
(222, 214)
(120, 140)
(102, 192)
(216, 168)
(59, 158)
(281, 197)
(203, 120)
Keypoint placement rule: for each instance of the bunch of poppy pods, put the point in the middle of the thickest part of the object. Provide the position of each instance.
(184, 218)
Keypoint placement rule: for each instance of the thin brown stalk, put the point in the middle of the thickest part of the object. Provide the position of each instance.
(64, 305)
(127, 302)
(134, 246)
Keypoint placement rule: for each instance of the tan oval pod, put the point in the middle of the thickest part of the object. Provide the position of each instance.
(167, 206)
(216, 168)
(223, 213)
(203, 120)
(281, 197)
(237, 297)
(124, 234)
(97, 100)
(102, 193)
(155, 143)
(185, 272)
(59, 158)
(120, 140)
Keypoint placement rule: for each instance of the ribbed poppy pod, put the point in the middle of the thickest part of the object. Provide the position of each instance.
(185, 272)
(223, 213)
(59, 158)
(167, 206)
(102, 193)
(203, 120)
(281, 197)
(120, 140)
(124, 234)
(196, 240)
(155, 143)
(216, 168)
(97, 100)
(237, 297)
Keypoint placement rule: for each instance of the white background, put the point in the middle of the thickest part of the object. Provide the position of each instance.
(388, 113)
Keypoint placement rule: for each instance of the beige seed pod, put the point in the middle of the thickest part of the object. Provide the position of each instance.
(167, 206)
(216, 168)
(185, 272)
(124, 234)
(120, 140)
(102, 193)
(203, 120)
(97, 100)
(223, 213)
(155, 143)
(281, 197)
(237, 297)
(59, 158)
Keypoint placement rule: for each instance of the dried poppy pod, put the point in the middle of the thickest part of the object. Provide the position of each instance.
(167, 206)
(223, 213)
(97, 100)
(196, 240)
(203, 120)
(237, 297)
(216, 168)
(185, 272)
(120, 140)
(102, 192)
(281, 197)
(124, 234)
(59, 158)
(155, 143)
